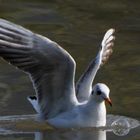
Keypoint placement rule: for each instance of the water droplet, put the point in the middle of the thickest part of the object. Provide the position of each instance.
(121, 127)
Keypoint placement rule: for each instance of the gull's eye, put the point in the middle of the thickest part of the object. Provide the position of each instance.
(99, 92)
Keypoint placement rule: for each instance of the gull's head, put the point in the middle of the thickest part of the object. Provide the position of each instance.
(100, 93)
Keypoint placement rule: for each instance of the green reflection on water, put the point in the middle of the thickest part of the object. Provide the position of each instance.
(78, 26)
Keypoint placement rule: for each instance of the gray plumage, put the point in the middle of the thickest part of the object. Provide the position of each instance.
(52, 71)
(50, 67)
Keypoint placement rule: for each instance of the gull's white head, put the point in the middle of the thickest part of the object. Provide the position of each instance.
(100, 93)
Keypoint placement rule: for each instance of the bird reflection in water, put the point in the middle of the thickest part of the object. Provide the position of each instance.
(120, 127)
(26, 124)
(81, 134)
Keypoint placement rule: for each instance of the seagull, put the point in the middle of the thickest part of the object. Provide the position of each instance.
(58, 99)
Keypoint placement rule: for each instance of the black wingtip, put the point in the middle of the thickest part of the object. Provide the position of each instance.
(32, 97)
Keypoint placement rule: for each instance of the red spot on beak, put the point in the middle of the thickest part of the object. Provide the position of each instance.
(108, 100)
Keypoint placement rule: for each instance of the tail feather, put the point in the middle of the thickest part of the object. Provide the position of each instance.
(34, 102)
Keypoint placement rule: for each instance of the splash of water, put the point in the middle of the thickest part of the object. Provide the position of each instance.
(121, 127)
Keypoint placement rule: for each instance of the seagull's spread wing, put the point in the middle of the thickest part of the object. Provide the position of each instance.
(50, 67)
(84, 84)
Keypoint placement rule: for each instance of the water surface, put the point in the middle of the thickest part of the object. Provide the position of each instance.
(78, 26)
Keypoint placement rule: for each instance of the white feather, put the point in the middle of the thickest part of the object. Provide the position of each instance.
(35, 104)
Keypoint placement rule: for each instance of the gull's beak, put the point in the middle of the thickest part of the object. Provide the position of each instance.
(108, 100)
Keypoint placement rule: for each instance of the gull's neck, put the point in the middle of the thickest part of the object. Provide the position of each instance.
(97, 112)
(95, 106)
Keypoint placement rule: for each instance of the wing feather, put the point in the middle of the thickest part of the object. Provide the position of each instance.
(50, 67)
(84, 84)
